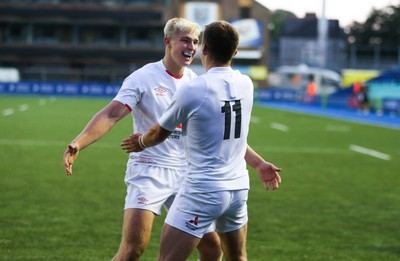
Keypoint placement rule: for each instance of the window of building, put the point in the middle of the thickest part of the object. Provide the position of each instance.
(144, 37)
(245, 12)
(15, 32)
(99, 35)
(44, 34)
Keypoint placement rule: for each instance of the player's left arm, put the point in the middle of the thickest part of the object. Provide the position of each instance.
(268, 172)
(138, 142)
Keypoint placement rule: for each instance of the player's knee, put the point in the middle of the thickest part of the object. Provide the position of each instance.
(235, 256)
(129, 254)
(210, 254)
(210, 248)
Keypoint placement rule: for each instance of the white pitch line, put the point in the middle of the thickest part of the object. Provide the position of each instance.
(307, 150)
(279, 126)
(23, 107)
(337, 128)
(46, 143)
(8, 112)
(49, 143)
(279, 149)
(255, 120)
(42, 102)
(304, 150)
(370, 152)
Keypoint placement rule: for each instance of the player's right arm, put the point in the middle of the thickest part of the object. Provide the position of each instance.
(138, 142)
(97, 127)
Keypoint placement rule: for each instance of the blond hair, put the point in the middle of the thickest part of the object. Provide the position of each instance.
(177, 25)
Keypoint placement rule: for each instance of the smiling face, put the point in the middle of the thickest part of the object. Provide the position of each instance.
(180, 50)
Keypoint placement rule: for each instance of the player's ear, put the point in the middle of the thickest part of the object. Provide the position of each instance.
(167, 41)
(204, 49)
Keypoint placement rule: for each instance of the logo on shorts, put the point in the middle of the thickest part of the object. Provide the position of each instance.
(142, 200)
(192, 224)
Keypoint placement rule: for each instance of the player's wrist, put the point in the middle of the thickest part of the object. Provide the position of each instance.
(141, 143)
(75, 145)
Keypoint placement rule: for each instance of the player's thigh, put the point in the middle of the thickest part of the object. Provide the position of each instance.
(176, 245)
(209, 247)
(210, 240)
(234, 244)
(137, 227)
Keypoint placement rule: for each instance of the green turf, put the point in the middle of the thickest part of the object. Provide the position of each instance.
(333, 204)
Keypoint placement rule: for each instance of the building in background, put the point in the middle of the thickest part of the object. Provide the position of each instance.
(104, 40)
(299, 44)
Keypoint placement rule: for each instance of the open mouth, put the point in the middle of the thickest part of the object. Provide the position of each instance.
(188, 54)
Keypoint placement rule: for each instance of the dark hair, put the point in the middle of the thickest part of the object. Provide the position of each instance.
(222, 40)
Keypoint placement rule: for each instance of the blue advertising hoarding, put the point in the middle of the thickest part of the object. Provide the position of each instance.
(60, 89)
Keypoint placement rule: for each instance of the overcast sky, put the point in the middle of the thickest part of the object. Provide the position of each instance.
(346, 11)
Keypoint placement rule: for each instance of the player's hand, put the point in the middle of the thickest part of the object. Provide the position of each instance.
(69, 157)
(131, 144)
(269, 174)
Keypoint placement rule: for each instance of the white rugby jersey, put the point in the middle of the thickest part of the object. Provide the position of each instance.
(215, 110)
(147, 92)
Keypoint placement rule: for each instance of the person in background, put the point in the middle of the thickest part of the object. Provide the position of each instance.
(311, 90)
(363, 99)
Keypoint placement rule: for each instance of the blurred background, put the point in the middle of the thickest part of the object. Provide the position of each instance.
(86, 47)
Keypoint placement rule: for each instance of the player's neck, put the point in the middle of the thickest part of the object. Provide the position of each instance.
(173, 69)
(211, 65)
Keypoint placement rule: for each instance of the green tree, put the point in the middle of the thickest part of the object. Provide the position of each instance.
(278, 20)
(382, 26)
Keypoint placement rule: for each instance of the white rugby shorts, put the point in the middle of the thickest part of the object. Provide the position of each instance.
(198, 213)
(151, 187)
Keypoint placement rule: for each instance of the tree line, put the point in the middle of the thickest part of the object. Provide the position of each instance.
(381, 27)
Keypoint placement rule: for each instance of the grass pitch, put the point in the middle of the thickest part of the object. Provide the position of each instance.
(339, 199)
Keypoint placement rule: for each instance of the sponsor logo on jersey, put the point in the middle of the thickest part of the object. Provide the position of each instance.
(176, 134)
(193, 223)
(161, 91)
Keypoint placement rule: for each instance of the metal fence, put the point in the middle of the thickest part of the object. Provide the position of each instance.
(374, 57)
